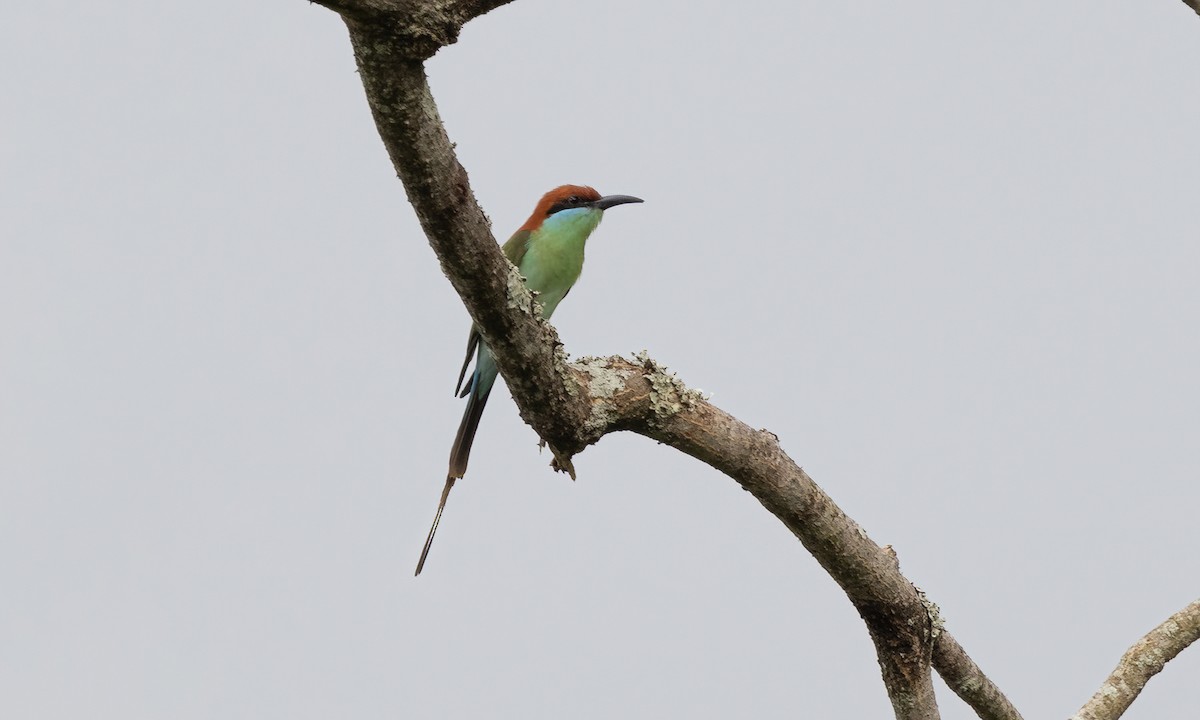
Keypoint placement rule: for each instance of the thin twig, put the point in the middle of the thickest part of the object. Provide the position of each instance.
(1141, 662)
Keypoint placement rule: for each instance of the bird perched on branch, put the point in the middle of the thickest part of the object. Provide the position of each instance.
(548, 250)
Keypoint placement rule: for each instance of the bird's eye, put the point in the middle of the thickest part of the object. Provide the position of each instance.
(574, 199)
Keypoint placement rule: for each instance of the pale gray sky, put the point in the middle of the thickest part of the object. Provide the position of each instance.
(947, 251)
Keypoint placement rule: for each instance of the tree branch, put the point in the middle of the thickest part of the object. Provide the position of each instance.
(415, 29)
(527, 351)
(572, 406)
(968, 682)
(1141, 662)
(1193, 4)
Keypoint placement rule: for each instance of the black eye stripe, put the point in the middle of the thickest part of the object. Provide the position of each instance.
(573, 201)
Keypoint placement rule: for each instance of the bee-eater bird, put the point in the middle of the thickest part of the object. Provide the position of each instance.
(548, 250)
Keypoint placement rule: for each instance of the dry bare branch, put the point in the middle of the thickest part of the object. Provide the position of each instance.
(1141, 662)
(572, 406)
(968, 682)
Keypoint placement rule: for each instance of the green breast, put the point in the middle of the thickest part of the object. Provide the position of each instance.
(553, 257)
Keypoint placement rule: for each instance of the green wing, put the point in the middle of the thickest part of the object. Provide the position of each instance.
(516, 246)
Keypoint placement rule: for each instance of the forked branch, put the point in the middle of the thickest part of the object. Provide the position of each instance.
(572, 406)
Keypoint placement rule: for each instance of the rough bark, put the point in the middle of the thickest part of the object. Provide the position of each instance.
(968, 682)
(1141, 662)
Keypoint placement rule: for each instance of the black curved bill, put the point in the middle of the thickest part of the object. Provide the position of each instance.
(608, 201)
